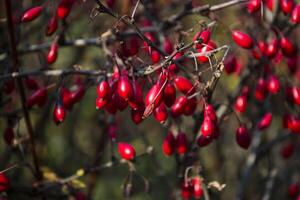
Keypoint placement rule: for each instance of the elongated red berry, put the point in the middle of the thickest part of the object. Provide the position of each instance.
(186, 190)
(161, 113)
(190, 106)
(197, 187)
(51, 26)
(291, 122)
(103, 89)
(253, 6)
(31, 14)
(9, 135)
(204, 36)
(101, 103)
(4, 182)
(243, 137)
(64, 8)
(168, 145)
(272, 48)
(204, 141)
(154, 96)
(126, 151)
(265, 122)
(137, 99)
(261, 91)
(184, 85)
(78, 94)
(119, 102)
(293, 94)
(125, 89)
(210, 112)
(39, 97)
(205, 49)
(59, 113)
(230, 64)
(293, 190)
(273, 84)
(179, 106)
(181, 143)
(242, 39)
(207, 127)
(155, 56)
(295, 16)
(287, 6)
(169, 95)
(137, 114)
(53, 52)
(287, 47)
(241, 103)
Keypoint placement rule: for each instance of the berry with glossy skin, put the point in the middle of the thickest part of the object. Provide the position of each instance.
(169, 95)
(168, 145)
(204, 141)
(261, 91)
(125, 89)
(126, 151)
(137, 115)
(206, 48)
(100, 103)
(103, 89)
(197, 187)
(52, 54)
(190, 106)
(184, 85)
(242, 39)
(39, 97)
(230, 64)
(292, 123)
(168, 46)
(293, 94)
(137, 99)
(59, 113)
(295, 16)
(66, 98)
(78, 94)
(207, 128)
(272, 48)
(31, 14)
(273, 84)
(186, 190)
(9, 135)
(210, 112)
(243, 137)
(293, 190)
(161, 113)
(51, 26)
(287, 47)
(178, 107)
(286, 6)
(154, 96)
(181, 143)
(265, 121)
(64, 8)
(204, 36)
(240, 104)
(4, 182)
(253, 6)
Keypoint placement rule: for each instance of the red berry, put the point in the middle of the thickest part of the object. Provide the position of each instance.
(51, 26)
(59, 113)
(292, 123)
(39, 97)
(190, 106)
(243, 138)
(197, 187)
(204, 141)
(186, 190)
(154, 96)
(119, 102)
(100, 103)
(253, 6)
(230, 64)
(242, 39)
(265, 121)
(295, 17)
(293, 190)
(287, 6)
(78, 94)
(110, 3)
(206, 48)
(207, 128)
(168, 144)
(273, 84)
(134, 46)
(287, 150)
(137, 98)
(126, 151)
(287, 47)
(269, 4)
(31, 14)
(293, 94)
(125, 89)
(241, 103)
(209, 112)
(179, 106)
(261, 91)
(181, 143)
(103, 89)
(64, 8)
(4, 182)
(137, 115)
(155, 56)
(204, 36)
(52, 54)
(9, 135)
(161, 113)
(272, 48)
(184, 85)
(66, 98)
(169, 95)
